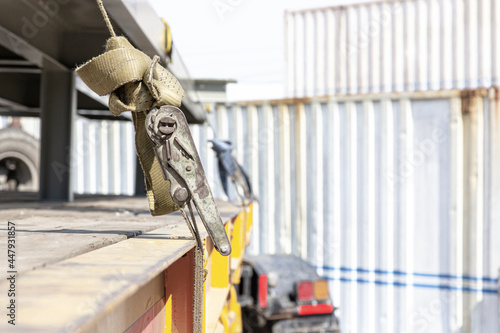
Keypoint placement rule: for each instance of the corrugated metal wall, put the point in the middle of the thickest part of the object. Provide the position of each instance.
(413, 45)
(394, 197)
(103, 157)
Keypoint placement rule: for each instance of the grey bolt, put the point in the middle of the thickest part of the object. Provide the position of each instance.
(181, 194)
(224, 250)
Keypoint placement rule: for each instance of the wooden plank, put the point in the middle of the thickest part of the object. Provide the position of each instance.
(216, 298)
(69, 295)
(77, 287)
(92, 265)
(49, 232)
(179, 289)
(219, 328)
(120, 317)
(153, 321)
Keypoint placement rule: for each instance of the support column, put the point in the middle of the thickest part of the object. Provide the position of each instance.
(140, 184)
(58, 109)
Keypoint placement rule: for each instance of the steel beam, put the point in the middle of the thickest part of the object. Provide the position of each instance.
(103, 114)
(35, 56)
(6, 112)
(58, 104)
(13, 106)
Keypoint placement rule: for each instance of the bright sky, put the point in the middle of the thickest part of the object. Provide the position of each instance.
(238, 39)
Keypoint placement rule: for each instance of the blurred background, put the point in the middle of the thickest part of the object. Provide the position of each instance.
(370, 132)
(242, 40)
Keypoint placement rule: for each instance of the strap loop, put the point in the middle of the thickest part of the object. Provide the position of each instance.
(137, 84)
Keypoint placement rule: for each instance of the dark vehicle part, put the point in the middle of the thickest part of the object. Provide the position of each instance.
(174, 147)
(311, 324)
(229, 168)
(19, 161)
(283, 293)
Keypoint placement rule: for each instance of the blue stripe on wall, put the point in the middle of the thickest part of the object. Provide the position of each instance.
(385, 272)
(418, 285)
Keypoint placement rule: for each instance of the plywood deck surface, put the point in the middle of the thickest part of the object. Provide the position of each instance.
(78, 260)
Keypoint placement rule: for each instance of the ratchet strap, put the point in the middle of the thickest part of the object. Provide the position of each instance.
(229, 168)
(137, 84)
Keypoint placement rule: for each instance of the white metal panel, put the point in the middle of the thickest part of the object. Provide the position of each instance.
(320, 52)
(290, 54)
(386, 194)
(104, 157)
(354, 46)
(266, 178)
(314, 177)
(222, 131)
(92, 163)
(485, 41)
(102, 154)
(299, 56)
(446, 33)
(456, 204)
(4, 121)
(434, 33)
(333, 240)
(350, 226)
(471, 41)
(406, 165)
(495, 42)
(392, 197)
(115, 167)
(343, 52)
(493, 160)
(398, 49)
(209, 163)
(368, 254)
(238, 136)
(402, 45)
(284, 175)
(386, 28)
(30, 125)
(252, 145)
(364, 52)
(78, 157)
(104, 151)
(310, 53)
(423, 23)
(473, 203)
(128, 177)
(332, 52)
(459, 55)
(301, 156)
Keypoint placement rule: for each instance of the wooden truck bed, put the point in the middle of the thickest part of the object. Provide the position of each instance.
(104, 264)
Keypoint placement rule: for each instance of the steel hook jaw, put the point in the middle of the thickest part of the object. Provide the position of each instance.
(174, 147)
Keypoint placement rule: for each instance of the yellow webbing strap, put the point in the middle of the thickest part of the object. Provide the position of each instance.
(138, 84)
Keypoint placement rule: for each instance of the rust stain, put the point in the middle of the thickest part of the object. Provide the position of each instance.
(468, 97)
(176, 156)
(201, 188)
(359, 97)
(496, 111)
